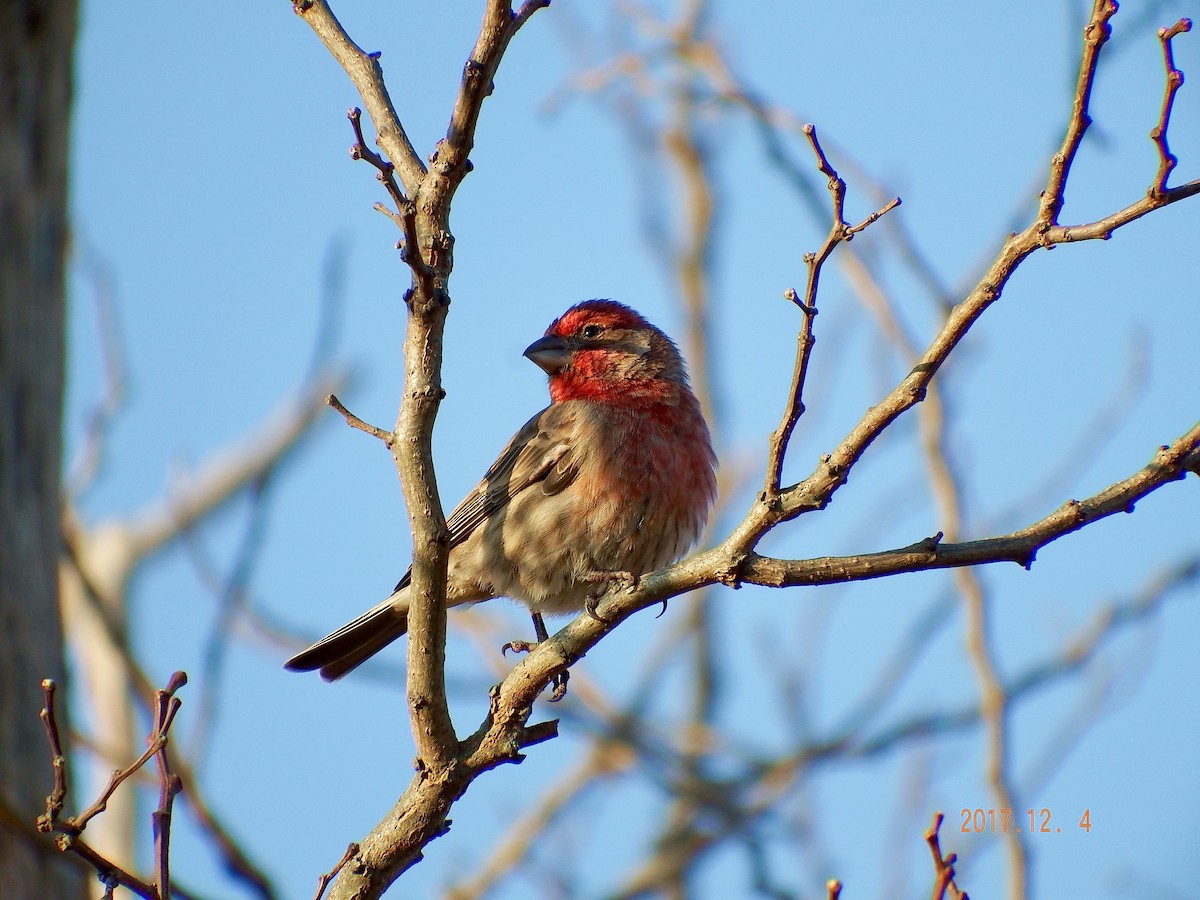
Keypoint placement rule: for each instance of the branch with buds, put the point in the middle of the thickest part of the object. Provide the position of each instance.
(943, 865)
(70, 829)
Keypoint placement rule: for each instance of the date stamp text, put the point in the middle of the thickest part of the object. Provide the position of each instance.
(1003, 821)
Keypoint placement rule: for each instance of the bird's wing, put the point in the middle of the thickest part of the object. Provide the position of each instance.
(539, 453)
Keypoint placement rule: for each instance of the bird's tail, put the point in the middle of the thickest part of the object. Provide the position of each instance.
(355, 642)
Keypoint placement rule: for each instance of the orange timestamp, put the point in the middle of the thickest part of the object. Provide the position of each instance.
(1002, 821)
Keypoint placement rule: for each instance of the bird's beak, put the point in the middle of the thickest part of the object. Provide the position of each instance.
(551, 353)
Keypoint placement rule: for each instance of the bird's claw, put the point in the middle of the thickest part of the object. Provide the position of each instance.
(591, 603)
(559, 683)
(518, 647)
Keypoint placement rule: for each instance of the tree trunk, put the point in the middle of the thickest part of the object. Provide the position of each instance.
(37, 39)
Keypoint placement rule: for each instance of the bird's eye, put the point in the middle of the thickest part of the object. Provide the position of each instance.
(591, 331)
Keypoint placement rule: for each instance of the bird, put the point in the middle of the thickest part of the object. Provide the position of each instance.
(614, 479)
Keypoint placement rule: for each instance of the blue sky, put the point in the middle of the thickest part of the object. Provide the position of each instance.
(211, 180)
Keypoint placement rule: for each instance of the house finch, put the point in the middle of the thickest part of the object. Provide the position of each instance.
(616, 475)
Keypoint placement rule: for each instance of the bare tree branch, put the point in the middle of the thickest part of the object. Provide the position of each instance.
(943, 865)
(70, 829)
(421, 814)
(1158, 134)
(367, 74)
(100, 561)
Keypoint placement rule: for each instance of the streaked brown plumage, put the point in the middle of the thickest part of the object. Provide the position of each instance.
(616, 475)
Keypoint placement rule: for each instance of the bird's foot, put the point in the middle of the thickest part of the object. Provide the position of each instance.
(557, 682)
(604, 581)
(519, 647)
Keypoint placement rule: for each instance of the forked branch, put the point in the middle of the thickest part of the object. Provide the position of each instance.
(839, 231)
(70, 829)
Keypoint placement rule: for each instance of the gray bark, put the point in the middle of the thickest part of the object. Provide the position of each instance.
(37, 40)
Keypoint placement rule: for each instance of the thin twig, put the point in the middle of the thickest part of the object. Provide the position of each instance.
(405, 215)
(360, 150)
(232, 855)
(780, 439)
(1095, 35)
(70, 829)
(324, 880)
(355, 422)
(367, 74)
(839, 231)
(1167, 159)
(119, 776)
(167, 705)
(58, 794)
(943, 865)
(110, 874)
